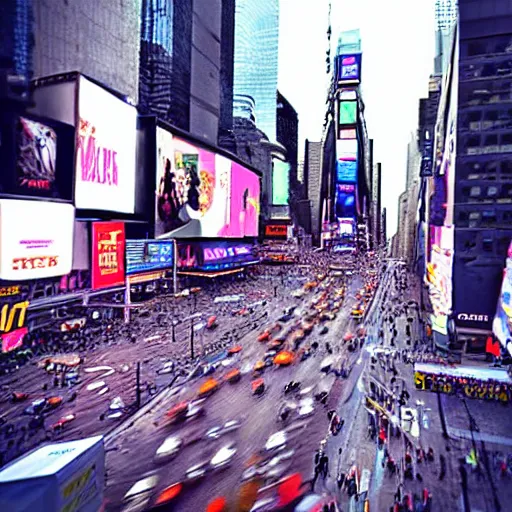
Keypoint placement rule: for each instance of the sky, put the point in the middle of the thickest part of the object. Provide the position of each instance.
(398, 57)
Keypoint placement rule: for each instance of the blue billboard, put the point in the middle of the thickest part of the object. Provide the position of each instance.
(149, 255)
(345, 201)
(348, 67)
(346, 171)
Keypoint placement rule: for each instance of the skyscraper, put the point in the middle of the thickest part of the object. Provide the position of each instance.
(256, 60)
(446, 12)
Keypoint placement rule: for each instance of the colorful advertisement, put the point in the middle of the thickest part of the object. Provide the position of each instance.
(346, 150)
(36, 239)
(108, 247)
(13, 340)
(348, 67)
(347, 133)
(439, 273)
(149, 255)
(346, 171)
(345, 201)
(105, 152)
(347, 112)
(202, 194)
(276, 231)
(280, 182)
(215, 256)
(502, 324)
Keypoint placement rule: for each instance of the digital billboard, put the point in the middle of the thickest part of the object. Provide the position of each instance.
(345, 201)
(108, 247)
(348, 67)
(105, 153)
(346, 149)
(346, 171)
(502, 324)
(276, 231)
(439, 272)
(280, 182)
(13, 316)
(347, 133)
(149, 255)
(215, 255)
(347, 112)
(201, 193)
(36, 239)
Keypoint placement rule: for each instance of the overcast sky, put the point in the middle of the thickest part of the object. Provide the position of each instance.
(398, 52)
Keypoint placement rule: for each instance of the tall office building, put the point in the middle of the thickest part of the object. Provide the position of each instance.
(256, 61)
(470, 199)
(446, 16)
(186, 65)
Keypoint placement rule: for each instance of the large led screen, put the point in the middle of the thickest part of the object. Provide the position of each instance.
(502, 324)
(202, 194)
(149, 255)
(280, 182)
(345, 201)
(105, 153)
(349, 67)
(215, 256)
(36, 239)
(348, 112)
(346, 171)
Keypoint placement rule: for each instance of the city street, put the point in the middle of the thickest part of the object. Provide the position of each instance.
(257, 417)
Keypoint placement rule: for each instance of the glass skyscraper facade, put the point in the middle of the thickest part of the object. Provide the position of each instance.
(256, 60)
(446, 13)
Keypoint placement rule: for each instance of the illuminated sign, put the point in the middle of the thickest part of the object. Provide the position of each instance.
(13, 340)
(346, 171)
(9, 291)
(347, 112)
(201, 193)
(472, 318)
(347, 133)
(36, 239)
(108, 246)
(348, 67)
(348, 94)
(280, 182)
(275, 230)
(149, 255)
(105, 153)
(221, 255)
(8, 315)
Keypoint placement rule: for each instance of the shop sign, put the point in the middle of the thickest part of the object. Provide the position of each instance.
(9, 291)
(149, 255)
(108, 246)
(10, 312)
(276, 230)
(13, 340)
(36, 239)
(464, 317)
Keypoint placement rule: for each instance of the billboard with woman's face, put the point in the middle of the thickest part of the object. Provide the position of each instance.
(201, 193)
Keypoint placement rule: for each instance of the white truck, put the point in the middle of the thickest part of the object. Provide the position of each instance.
(58, 477)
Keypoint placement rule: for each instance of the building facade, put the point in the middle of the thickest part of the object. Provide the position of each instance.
(79, 36)
(256, 60)
(483, 188)
(186, 66)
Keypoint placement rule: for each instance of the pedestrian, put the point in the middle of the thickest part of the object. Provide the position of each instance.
(324, 465)
(442, 472)
(317, 470)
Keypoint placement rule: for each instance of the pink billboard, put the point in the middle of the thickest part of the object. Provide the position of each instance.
(244, 203)
(201, 193)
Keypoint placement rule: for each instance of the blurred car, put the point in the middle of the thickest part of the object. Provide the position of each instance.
(168, 449)
(223, 457)
(218, 431)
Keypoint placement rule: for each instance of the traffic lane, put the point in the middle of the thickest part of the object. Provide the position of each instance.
(259, 417)
(87, 404)
(229, 403)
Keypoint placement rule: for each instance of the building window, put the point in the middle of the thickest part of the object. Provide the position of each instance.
(492, 191)
(487, 244)
(506, 168)
(475, 192)
(474, 219)
(489, 218)
(476, 48)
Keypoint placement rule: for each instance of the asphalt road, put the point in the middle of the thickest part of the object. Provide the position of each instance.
(258, 417)
(114, 365)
